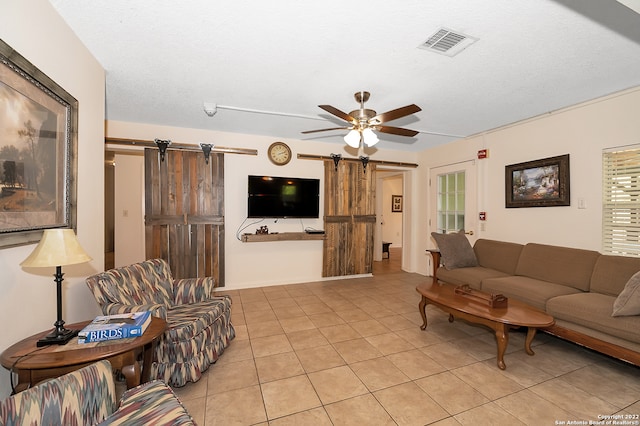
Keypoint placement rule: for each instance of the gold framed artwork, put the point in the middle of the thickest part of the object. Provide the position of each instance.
(38, 123)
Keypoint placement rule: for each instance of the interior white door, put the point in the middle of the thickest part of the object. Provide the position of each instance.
(453, 199)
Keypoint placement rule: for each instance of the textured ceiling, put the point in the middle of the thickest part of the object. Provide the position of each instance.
(164, 59)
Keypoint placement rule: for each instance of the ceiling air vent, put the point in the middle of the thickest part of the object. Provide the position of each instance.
(448, 42)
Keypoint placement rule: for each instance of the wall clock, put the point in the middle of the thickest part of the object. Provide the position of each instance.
(279, 153)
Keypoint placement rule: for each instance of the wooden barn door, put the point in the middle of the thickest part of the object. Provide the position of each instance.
(349, 216)
(184, 212)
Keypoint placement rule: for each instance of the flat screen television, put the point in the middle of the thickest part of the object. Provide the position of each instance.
(283, 197)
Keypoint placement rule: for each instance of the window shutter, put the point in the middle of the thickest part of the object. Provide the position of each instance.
(621, 202)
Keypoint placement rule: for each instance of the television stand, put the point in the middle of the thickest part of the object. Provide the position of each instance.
(282, 236)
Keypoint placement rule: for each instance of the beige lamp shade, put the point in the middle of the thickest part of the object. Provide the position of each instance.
(58, 247)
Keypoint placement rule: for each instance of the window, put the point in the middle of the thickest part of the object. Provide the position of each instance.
(621, 201)
(451, 193)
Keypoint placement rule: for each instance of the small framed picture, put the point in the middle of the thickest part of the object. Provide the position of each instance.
(396, 203)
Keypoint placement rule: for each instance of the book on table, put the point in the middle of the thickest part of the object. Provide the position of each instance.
(113, 327)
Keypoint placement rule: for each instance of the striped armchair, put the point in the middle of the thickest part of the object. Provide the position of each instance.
(87, 397)
(198, 324)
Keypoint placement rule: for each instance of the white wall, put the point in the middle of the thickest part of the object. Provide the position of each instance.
(392, 221)
(582, 131)
(128, 208)
(27, 306)
(254, 264)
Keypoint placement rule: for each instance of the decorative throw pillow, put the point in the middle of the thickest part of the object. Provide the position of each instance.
(628, 301)
(455, 250)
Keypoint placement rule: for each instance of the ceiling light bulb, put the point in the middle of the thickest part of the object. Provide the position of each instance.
(370, 138)
(353, 139)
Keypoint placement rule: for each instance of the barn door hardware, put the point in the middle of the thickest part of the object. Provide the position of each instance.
(365, 161)
(206, 149)
(336, 160)
(162, 146)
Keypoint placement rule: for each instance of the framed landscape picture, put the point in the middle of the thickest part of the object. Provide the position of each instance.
(38, 139)
(539, 183)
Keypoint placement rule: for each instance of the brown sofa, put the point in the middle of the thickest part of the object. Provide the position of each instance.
(577, 287)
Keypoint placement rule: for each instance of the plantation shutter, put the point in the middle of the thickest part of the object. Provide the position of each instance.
(621, 201)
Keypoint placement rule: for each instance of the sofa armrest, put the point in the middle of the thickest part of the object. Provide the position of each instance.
(152, 403)
(87, 395)
(193, 290)
(157, 309)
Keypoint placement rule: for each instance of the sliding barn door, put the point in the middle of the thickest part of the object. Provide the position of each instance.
(349, 216)
(184, 212)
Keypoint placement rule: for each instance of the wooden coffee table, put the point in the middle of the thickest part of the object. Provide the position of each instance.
(35, 364)
(516, 314)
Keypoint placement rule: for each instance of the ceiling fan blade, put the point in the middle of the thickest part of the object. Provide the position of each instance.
(325, 130)
(340, 114)
(395, 114)
(396, 130)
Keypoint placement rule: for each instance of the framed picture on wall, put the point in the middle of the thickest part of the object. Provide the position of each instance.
(396, 203)
(38, 123)
(539, 183)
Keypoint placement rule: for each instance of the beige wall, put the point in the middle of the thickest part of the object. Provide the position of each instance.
(582, 131)
(250, 264)
(27, 305)
(392, 228)
(128, 209)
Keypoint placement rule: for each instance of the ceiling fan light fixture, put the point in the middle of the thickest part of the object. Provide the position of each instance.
(370, 138)
(362, 122)
(353, 139)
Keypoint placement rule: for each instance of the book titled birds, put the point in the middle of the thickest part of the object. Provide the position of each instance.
(113, 327)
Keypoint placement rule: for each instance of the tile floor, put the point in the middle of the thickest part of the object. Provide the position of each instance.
(350, 352)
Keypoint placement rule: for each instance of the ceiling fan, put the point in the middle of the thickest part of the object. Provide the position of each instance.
(362, 122)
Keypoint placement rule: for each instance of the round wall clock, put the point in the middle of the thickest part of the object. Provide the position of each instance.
(279, 153)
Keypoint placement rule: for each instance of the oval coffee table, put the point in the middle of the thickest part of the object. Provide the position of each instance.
(516, 314)
(35, 364)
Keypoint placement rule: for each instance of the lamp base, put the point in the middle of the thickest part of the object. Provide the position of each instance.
(57, 337)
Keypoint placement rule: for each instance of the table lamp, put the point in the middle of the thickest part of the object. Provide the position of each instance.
(57, 247)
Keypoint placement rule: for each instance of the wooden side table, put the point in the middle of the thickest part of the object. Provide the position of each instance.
(385, 248)
(35, 364)
(435, 254)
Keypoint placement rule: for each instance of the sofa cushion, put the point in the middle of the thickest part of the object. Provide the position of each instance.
(82, 397)
(472, 276)
(187, 321)
(611, 273)
(560, 265)
(528, 290)
(455, 249)
(498, 255)
(628, 302)
(593, 310)
(152, 403)
(147, 282)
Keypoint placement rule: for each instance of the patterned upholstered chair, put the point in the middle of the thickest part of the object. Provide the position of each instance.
(87, 397)
(199, 323)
